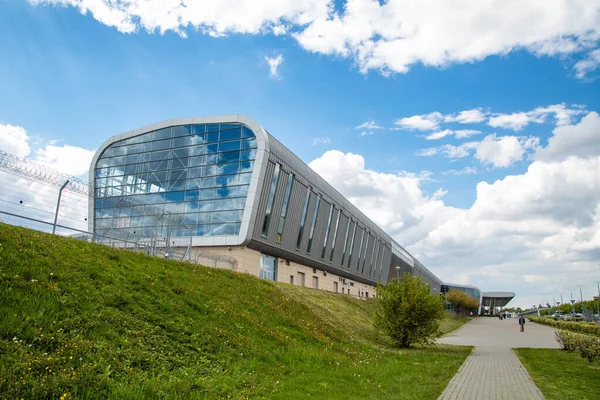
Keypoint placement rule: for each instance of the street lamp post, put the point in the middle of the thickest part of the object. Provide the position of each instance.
(572, 305)
(580, 293)
(397, 271)
(598, 300)
(561, 299)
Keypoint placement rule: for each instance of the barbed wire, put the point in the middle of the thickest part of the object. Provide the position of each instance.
(43, 173)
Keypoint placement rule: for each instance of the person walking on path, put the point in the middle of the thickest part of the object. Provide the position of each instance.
(522, 323)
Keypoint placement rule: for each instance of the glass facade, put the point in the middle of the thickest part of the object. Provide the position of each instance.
(187, 180)
(473, 292)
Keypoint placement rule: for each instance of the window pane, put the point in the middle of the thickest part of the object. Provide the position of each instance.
(230, 134)
(183, 130)
(231, 156)
(229, 146)
(162, 134)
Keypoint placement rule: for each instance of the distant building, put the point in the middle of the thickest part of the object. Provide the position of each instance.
(489, 302)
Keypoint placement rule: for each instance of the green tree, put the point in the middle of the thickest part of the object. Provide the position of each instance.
(409, 313)
(461, 301)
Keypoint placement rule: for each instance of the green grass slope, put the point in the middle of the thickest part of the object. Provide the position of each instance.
(87, 321)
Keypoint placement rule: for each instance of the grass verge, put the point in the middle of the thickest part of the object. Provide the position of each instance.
(560, 374)
(87, 321)
(451, 323)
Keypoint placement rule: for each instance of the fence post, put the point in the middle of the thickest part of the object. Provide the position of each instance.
(58, 205)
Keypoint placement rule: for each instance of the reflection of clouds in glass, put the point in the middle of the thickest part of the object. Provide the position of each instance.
(184, 179)
(223, 229)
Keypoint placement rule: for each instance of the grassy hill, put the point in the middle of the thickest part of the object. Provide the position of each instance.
(86, 321)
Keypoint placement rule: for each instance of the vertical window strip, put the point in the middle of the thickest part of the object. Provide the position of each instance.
(303, 218)
(331, 207)
(362, 271)
(381, 265)
(379, 256)
(352, 244)
(274, 181)
(375, 251)
(346, 241)
(362, 242)
(337, 224)
(286, 201)
(312, 227)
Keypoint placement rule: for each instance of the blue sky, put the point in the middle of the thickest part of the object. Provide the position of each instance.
(75, 79)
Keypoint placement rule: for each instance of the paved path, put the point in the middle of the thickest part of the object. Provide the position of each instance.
(495, 333)
(492, 371)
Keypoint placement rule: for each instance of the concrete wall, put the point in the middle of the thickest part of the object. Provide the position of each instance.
(248, 260)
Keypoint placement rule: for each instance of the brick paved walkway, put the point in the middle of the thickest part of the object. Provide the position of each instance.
(492, 371)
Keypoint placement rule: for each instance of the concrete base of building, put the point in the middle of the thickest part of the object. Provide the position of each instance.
(245, 260)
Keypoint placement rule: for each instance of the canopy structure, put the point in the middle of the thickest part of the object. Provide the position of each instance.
(496, 299)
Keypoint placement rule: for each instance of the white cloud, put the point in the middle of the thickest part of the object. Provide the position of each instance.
(213, 18)
(515, 121)
(459, 134)
(590, 63)
(369, 125)
(464, 171)
(389, 36)
(321, 140)
(449, 151)
(473, 116)
(394, 35)
(504, 151)
(67, 159)
(519, 120)
(582, 140)
(426, 122)
(274, 63)
(497, 151)
(14, 140)
(368, 128)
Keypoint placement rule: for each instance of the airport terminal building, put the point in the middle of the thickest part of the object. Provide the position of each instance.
(225, 186)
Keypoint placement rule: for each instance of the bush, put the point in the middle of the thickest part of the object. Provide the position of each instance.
(587, 346)
(581, 327)
(410, 314)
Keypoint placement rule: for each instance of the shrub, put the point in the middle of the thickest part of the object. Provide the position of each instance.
(409, 314)
(580, 327)
(587, 346)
